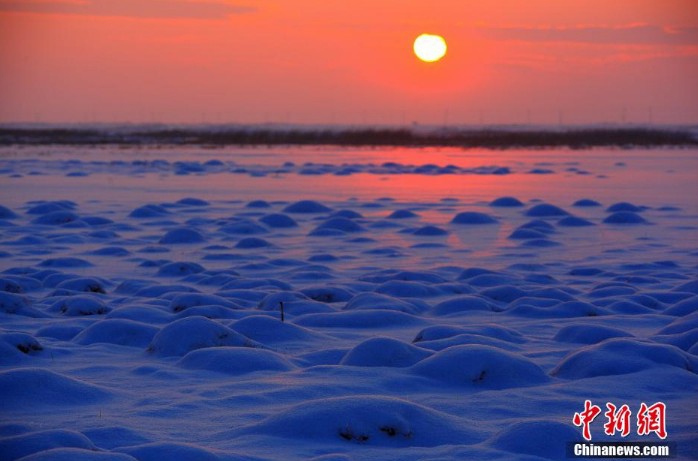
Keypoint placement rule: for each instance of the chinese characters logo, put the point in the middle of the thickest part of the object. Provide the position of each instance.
(650, 419)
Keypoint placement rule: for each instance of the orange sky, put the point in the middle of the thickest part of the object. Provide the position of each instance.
(335, 61)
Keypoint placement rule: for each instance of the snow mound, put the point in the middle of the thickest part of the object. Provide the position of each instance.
(192, 201)
(51, 277)
(408, 276)
(372, 301)
(465, 339)
(65, 262)
(545, 210)
(461, 305)
(33, 442)
(295, 303)
(6, 213)
(567, 309)
(182, 236)
(110, 437)
(76, 454)
(472, 272)
(158, 451)
(542, 439)
(624, 206)
(621, 356)
(234, 360)
(258, 204)
(526, 234)
(332, 457)
(249, 283)
(539, 225)
(147, 313)
(681, 325)
(625, 217)
(15, 346)
(149, 211)
(80, 305)
(23, 342)
(586, 202)
(117, 331)
(437, 332)
(341, 224)
(384, 352)
(473, 218)
(589, 334)
(156, 291)
(10, 286)
(26, 283)
(186, 300)
(628, 307)
(688, 287)
(252, 243)
(506, 202)
(401, 288)
(429, 231)
(51, 206)
(371, 318)
(12, 303)
(503, 294)
(270, 330)
(180, 269)
(84, 284)
(111, 251)
(64, 331)
(402, 214)
(25, 387)
(611, 291)
(327, 294)
(687, 340)
(190, 333)
(307, 206)
(278, 220)
(370, 420)
(540, 243)
(56, 218)
(480, 366)
(487, 279)
(541, 171)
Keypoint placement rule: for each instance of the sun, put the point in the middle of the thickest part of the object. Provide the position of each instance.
(429, 47)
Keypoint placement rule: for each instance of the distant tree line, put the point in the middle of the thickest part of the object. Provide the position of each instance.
(493, 138)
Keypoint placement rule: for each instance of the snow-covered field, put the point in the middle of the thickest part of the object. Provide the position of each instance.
(437, 303)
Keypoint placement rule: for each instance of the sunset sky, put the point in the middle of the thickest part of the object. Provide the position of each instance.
(332, 61)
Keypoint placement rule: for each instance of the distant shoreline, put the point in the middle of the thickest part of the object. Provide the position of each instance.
(504, 137)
